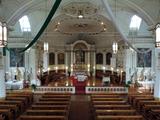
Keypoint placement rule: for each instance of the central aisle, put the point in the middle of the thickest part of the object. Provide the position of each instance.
(80, 108)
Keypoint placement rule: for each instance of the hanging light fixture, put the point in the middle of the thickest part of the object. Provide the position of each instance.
(115, 44)
(46, 46)
(115, 47)
(80, 15)
(158, 35)
(3, 34)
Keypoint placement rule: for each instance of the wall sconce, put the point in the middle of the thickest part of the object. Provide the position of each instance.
(158, 35)
(3, 34)
(46, 46)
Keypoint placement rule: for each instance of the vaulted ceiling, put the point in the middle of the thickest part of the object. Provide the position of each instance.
(72, 28)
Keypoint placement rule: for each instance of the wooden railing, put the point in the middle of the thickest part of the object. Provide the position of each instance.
(55, 89)
(106, 90)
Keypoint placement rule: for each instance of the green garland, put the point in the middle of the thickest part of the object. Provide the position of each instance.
(48, 19)
(52, 12)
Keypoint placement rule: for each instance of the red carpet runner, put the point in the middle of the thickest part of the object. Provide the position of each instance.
(79, 85)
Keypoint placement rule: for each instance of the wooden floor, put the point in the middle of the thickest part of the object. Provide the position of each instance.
(80, 108)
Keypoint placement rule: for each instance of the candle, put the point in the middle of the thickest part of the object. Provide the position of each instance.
(48, 70)
(112, 69)
(121, 75)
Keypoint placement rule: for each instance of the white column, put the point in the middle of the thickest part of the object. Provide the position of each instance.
(66, 63)
(128, 64)
(7, 61)
(104, 62)
(45, 61)
(113, 61)
(94, 63)
(71, 60)
(27, 63)
(32, 62)
(56, 61)
(2, 74)
(157, 74)
(88, 66)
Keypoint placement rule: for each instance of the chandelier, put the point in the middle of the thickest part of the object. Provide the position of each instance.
(115, 47)
(158, 35)
(3, 34)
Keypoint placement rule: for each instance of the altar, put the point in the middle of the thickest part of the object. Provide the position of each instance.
(81, 76)
(14, 85)
(147, 84)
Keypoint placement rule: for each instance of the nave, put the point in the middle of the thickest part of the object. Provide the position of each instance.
(50, 106)
(79, 59)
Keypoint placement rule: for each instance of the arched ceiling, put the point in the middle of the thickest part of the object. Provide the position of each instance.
(37, 10)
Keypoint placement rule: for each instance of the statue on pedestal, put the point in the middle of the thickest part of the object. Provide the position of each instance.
(18, 74)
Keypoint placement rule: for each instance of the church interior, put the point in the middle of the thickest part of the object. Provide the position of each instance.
(80, 59)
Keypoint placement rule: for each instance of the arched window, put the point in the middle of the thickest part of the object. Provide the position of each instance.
(99, 58)
(61, 58)
(135, 22)
(25, 24)
(108, 58)
(51, 58)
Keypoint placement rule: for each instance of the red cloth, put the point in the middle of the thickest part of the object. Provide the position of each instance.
(79, 85)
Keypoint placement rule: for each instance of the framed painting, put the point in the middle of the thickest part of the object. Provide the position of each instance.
(16, 58)
(144, 59)
(61, 58)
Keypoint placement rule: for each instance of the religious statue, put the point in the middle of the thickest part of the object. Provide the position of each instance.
(149, 76)
(141, 76)
(79, 56)
(18, 74)
(134, 76)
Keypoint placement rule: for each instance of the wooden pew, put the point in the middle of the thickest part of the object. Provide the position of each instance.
(116, 112)
(49, 107)
(152, 107)
(137, 100)
(28, 96)
(119, 117)
(19, 104)
(54, 99)
(147, 102)
(22, 99)
(104, 107)
(46, 112)
(2, 116)
(10, 106)
(30, 117)
(109, 102)
(56, 96)
(7, 113)
(156, 110)
(63, 94)
(52, 103)
(105, 96)
(107, 99)
(132, 97)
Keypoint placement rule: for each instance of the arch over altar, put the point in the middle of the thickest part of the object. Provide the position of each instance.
(81, 54)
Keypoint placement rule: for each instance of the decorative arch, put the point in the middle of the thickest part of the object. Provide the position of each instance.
(51, 58)
(81, 44)
(99, 58)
